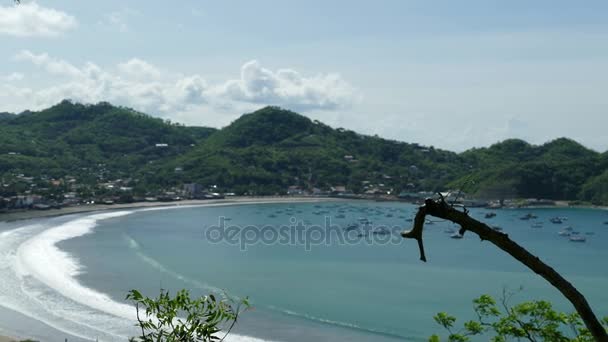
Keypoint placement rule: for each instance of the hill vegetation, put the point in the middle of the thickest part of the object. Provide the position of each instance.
(267, 151)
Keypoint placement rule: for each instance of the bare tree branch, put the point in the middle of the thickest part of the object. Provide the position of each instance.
(443, 210)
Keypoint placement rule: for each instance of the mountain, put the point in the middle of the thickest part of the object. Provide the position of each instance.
(514, 168)
(72, 138)
(4, 116)
(268, 150)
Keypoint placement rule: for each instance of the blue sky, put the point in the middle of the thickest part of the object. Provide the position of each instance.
(453, 74)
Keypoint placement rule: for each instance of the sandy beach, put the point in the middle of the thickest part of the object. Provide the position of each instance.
(6, 339)
(31, 214)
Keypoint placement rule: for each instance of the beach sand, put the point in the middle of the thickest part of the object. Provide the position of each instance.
(31, 214)
(10, 339)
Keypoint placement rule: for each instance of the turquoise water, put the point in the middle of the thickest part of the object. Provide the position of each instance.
(366, 288)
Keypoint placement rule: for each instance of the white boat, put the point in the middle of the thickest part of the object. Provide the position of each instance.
(456, 236)
(577, 238)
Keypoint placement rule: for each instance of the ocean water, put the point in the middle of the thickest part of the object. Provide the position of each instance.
(306, 277)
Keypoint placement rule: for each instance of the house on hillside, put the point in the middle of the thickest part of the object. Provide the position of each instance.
(294, 190)
(339, 190)
(193, 190)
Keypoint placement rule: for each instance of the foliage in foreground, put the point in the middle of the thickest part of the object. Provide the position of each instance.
(183, 319)
(527, 321)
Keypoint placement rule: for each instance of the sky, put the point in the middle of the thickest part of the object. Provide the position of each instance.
(451, 74)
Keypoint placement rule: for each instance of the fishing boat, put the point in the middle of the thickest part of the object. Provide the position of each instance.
(381, 231)
(577, 238)
(352, 226)
(490, 215)
(527, 217)
(556, 220)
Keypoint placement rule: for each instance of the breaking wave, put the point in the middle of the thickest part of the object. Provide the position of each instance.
(39, 281)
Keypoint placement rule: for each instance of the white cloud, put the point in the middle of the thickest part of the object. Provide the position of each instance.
(15, 76)
(288, 88)
(30, 19)
(139, 84)
(119, 19)
(141, 69)
(51, 65)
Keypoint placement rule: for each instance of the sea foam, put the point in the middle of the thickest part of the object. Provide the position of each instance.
(44, 285)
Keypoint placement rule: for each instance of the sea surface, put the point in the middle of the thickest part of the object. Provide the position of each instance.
(308, 276)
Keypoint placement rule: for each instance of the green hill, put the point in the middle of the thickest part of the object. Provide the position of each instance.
(266, 151)
(514, 168)
(78, 139)
(271, 149)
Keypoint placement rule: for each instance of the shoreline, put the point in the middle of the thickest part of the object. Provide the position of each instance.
(33, 214)
(8, 339)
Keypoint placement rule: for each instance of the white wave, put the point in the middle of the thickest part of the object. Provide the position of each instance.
(40, 258)
(39, 282)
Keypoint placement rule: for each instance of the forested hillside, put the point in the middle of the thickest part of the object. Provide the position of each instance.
(266, 151)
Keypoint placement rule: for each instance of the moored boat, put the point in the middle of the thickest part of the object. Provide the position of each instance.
(577, 238)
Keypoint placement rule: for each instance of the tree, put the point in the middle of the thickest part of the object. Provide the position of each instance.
(203, 317)
(441, 209)
(530, 321)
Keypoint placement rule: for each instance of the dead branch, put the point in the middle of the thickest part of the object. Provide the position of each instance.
(443, 210)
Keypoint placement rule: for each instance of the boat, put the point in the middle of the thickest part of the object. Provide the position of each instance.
(456, 236)
(381, 231)
(450, 231)
(272, 215)
(564, 233)
(537, 225)
(527, 217)
(497, 228)
(490, 215)
(352, 226)
(556, 220)
(605, 222)
(577, 238)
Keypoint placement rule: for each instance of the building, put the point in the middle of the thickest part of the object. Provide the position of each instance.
(294, 190)
(193, 190)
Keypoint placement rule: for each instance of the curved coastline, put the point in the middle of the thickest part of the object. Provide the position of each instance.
(34, 257)
(33, 214)
(39, 232)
